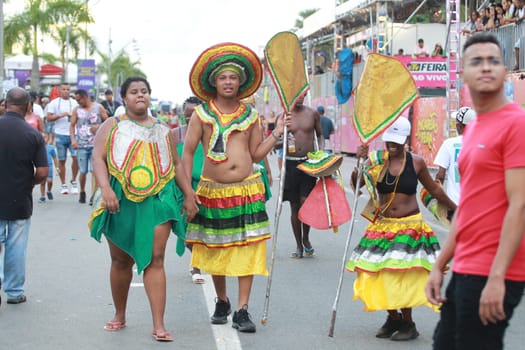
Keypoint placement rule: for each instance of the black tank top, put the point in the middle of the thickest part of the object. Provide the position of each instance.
(407, 182)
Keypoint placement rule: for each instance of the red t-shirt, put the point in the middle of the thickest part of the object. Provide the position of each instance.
(492, 144)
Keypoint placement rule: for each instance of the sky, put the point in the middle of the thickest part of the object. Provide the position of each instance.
(168, 35)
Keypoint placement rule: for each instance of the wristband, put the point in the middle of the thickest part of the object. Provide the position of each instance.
(277, 138)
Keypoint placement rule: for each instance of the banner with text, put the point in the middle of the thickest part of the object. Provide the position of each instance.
(86, 76)
(428, 72)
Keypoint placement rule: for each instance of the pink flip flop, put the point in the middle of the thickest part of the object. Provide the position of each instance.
(114, 326)
(163, 336)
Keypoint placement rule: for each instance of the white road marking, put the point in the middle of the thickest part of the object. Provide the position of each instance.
(225, 335)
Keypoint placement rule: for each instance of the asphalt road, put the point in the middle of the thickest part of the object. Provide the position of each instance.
(69, 297)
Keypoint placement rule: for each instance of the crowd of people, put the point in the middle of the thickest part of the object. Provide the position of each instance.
(199, 183)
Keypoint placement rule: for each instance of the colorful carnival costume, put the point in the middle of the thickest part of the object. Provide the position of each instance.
(142, 173)
(229, 231)
(395, 255)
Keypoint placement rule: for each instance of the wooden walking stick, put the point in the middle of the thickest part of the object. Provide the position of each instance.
(285, 63)
(385, 90)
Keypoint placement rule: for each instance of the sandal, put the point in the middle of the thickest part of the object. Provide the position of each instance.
(309, 252)
(298, 254)
(114, 326)
(196, 277)
(163, 336)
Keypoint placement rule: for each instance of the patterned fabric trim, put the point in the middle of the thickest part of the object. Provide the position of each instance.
(395, 244)
(230, 214)
(140, 158)
(223, 125)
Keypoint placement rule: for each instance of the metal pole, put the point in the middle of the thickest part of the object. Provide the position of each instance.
(66, 72)
(109, 61)
(86, 29)
(348, 239)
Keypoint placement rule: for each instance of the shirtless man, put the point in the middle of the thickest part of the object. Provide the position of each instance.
(229, 232)
(297, 184)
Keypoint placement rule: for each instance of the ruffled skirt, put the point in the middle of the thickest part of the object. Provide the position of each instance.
(229, 232)
(392, 261)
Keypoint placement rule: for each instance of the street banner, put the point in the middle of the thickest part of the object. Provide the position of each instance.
(86, 76)
(428, 72)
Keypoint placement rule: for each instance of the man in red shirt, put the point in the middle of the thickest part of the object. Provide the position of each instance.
(486, 237)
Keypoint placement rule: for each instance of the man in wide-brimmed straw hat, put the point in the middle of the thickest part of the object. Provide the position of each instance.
(229, 232)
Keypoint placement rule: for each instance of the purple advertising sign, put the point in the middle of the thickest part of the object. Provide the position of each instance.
(86, 76)
(23, 77)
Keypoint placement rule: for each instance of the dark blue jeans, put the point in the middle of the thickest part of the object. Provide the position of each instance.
(460, 327)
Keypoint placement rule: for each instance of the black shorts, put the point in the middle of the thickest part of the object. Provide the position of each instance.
(297, 184)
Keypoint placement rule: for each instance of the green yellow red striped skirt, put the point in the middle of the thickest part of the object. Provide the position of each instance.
(392, 261)
(229, 232)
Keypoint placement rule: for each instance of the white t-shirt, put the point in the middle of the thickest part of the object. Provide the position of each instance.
(37, 109)
(447, 158)
(59, 106)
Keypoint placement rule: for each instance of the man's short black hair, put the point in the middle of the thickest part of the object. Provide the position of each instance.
(193, 100)
(108, 92)
(81, 93)
(482, 38)
(17, 96)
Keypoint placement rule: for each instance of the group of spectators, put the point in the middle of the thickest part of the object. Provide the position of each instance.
(495, 15)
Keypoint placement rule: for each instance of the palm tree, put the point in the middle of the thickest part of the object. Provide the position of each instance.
(38, 19)
(72, 40)
(118, 68)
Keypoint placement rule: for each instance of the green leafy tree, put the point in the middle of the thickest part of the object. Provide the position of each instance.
(118, 68)
(302, 16)
(77, 37)
(38, 19)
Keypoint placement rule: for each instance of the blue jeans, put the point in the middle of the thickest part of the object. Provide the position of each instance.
(85, 160)
(460, 327)
(63, 143)
(14, 235)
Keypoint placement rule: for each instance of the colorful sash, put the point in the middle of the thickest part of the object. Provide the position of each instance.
(222, 126)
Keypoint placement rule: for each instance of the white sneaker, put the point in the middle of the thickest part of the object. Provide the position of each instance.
(64, 189)
(74, 187)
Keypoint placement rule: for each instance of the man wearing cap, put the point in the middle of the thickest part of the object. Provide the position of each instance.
(395, 254)
(109, 104)
(447, 156)
(229, 232)
(327, 126)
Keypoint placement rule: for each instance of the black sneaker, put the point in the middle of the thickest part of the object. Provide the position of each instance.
(82, 198)
(391, 326)
(222, 310)
(50, 196)
(407, 331)
(241, 321)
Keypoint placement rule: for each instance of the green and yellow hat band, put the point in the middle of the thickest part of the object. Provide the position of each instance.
(220, 58)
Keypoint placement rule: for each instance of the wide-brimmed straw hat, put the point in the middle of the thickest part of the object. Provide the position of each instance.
(320, 163)
(221, 57)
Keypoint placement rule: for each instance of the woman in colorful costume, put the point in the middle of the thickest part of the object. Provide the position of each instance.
(229, 232)
(396, 253)
(137, 169)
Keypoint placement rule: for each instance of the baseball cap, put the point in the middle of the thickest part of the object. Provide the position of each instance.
(465, 115)
(398, 131)
(320, 109)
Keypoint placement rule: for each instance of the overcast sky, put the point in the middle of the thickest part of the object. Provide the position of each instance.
(170, 34)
